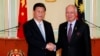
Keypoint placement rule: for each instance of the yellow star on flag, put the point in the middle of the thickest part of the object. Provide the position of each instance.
(22, 13)
(81, 8)
(22, 2)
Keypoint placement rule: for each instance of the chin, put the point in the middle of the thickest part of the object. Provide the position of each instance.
(40, 19)
(70, 20)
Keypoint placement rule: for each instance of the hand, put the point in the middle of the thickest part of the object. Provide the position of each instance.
(51, 47)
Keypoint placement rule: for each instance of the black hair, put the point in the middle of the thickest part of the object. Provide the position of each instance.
(39, 5)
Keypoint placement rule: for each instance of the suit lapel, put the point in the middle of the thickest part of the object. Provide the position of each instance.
(65, 30)
(35, 27)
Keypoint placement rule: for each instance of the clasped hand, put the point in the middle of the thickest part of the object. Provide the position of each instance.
(51, 47)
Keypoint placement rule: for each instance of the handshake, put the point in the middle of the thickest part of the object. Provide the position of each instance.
(51, 47)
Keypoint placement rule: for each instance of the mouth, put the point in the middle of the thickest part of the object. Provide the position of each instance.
(69, 17)
(40, 16)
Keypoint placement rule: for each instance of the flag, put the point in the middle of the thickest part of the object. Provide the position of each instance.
(80, 9)
(22, 18)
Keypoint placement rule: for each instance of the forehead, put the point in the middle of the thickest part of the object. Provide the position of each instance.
(70, 8)
(39, 8)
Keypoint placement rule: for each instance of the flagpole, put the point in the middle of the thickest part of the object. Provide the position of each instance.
(9, 18)
(91, 16)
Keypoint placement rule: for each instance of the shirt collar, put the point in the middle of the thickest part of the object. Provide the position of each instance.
(73, 22)
(38, 22)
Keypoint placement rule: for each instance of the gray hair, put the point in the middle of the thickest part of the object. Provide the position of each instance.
(73, 7)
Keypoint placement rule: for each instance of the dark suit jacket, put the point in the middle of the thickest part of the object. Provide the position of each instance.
(80, 43)
(34, 38)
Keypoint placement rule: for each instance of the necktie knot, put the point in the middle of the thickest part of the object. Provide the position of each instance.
(70, 25)
(39, 24)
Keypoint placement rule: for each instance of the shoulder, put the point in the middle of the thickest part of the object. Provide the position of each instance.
(83, 24)
(28, 22)
(63, 24)
(46, 22)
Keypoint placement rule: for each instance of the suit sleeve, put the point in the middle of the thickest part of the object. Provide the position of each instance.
(30, 40)
(51, 35)
(87, 41)
(59, 42)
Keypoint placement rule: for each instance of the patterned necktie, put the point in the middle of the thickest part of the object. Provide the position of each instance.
(69, 32)
(42, 32)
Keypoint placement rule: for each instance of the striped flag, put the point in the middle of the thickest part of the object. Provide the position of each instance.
(22, 18)
(80, 9)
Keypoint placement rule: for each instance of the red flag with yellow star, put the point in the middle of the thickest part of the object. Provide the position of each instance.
(22, 18)
(80, 9)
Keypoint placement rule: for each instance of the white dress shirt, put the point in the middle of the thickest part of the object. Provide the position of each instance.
(73, 24)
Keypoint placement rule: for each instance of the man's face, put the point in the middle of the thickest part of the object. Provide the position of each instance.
(39, 13)
(71, 14)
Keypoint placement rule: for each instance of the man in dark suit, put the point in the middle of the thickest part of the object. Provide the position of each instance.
(39, 33)
(74, 35)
